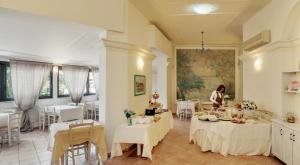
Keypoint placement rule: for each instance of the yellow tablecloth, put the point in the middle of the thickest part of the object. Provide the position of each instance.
(61, 142)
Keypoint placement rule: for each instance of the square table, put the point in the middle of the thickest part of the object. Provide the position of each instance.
(147, 134)
(58, 141)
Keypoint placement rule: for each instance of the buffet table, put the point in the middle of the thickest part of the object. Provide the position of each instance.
(226, 137)
(147, 134)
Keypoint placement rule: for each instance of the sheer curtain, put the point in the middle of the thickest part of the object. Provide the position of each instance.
(75, 79)
(27, 80)
(96, 76)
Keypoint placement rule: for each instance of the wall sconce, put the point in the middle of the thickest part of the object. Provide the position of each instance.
(258, 64)
(140, 63)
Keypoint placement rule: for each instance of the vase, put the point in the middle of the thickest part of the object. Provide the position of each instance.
(129, 121)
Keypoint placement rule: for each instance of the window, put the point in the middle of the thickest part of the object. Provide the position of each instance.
(62, 88)
(47, 90)
(6, 93)
(5, 82)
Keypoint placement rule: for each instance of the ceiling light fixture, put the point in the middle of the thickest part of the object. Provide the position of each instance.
(203, 49)
(204, 8)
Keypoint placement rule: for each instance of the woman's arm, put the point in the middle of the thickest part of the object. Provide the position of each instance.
(213, 97)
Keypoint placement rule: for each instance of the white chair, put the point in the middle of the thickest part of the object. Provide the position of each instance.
(92, 110)
(96, 110)
(51, 115)
(12, 131)
(181, 108)
(43, 117)
(190, 109)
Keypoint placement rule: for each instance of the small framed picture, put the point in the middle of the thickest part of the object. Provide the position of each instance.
(139, 85)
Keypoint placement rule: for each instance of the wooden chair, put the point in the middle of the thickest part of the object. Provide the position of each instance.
(80, 137)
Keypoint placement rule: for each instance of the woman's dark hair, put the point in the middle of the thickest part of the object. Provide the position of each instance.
(220, 87)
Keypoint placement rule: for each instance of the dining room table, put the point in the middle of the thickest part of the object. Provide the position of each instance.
(228, 138)
(66, 112)
(58, 141)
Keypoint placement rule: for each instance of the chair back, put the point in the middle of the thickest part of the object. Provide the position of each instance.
(14, 120)
(50, 109)
(80, 133)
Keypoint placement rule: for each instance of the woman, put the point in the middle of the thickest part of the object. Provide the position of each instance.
(217, 97)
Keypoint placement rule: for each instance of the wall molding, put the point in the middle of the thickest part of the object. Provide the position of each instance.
(127, 47)
(14, 55)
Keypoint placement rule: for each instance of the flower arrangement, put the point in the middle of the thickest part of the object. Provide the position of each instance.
(249, 105)
(128, 114)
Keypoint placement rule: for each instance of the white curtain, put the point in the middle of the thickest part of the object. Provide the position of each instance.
(75, 79)
(27, 80)
(96, 76)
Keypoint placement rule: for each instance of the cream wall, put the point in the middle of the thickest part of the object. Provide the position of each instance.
(108, 14)
(264, 85)
(139, 103)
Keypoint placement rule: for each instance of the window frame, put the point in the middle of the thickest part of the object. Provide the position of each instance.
(87, 93)
(51, 87)
(3, 98)
(3, 67)
(58, 95)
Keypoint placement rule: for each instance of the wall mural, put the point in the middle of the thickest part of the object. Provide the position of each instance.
(198, 74)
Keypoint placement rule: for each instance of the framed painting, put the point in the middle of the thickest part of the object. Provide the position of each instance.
(139, 85)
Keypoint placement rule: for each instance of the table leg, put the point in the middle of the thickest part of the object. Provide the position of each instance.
(62, 160)
(66, 158)
(139, 149)
(9, 137)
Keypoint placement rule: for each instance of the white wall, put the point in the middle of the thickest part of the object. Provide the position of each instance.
(264, 85)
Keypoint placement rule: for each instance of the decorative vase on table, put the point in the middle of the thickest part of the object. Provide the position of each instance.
(248, 107)
(128, 114)
(129, 121)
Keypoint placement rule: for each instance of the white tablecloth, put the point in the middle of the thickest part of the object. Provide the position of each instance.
(4, 119)
(147, 134)
(226, 137)
(67, 112)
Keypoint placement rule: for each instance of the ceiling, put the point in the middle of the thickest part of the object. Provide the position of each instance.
(177, 20)
(54, 40)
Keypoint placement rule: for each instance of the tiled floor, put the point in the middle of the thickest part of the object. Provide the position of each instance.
(173, 150)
